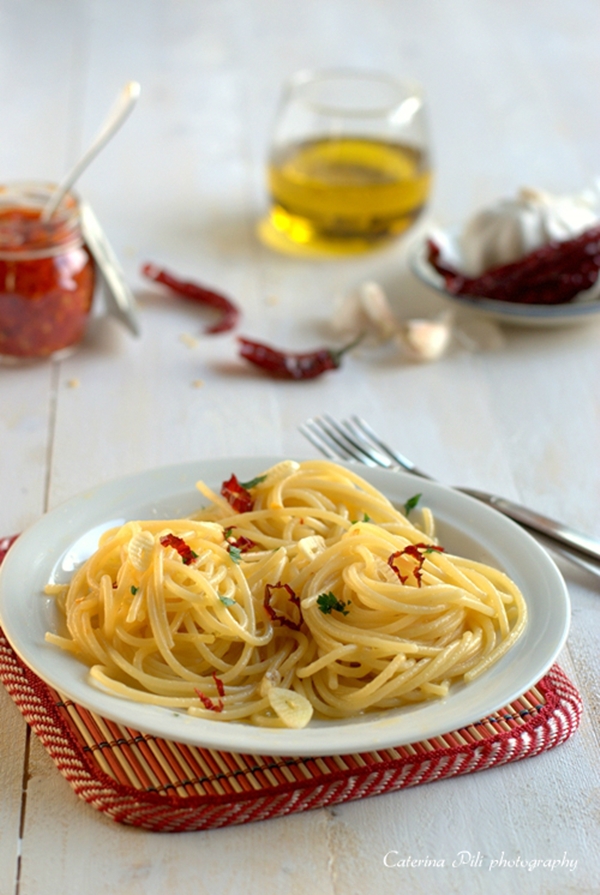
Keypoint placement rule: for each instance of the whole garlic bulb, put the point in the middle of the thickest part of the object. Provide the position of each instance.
(513, 228)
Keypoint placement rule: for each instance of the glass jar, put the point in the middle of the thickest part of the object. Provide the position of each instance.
(47, 274)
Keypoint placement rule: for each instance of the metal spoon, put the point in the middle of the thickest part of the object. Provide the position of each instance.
(117, 115)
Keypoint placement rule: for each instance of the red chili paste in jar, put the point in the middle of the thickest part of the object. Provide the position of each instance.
(46, 275)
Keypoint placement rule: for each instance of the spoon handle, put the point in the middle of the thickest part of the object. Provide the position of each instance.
(123, 107)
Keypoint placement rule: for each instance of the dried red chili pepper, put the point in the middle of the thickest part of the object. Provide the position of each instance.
(553, 274)
(208, 703)
(416, 552)
(183, 549)
(219, 684)
(292, 365)
(230, 314)
(236, 495)
(278, 616)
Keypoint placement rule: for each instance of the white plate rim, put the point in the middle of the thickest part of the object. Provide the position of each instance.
(33, 558)
(508, 312)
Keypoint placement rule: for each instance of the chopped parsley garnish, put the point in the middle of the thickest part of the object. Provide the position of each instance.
(227, 533)
(411, 503)
(227, 601)
(253, 482)
(365, 518)
(134, 590)
(328, 602)
(235, 553)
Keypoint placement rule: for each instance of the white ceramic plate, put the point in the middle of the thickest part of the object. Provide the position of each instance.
(577, 311)
(62, 539)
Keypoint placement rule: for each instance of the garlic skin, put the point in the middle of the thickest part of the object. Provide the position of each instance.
(515, 227)
(367, 311)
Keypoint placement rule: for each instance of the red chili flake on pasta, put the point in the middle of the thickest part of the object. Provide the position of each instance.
(208, 703)
(183, 549)
(243, 544)
(219, 684)
(276, 616)
(237, 496)
(417, 552)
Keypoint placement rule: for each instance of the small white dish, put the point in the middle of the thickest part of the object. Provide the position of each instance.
(513, 313)
(61, 540)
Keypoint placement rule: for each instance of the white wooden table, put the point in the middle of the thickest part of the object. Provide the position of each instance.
(513, 92)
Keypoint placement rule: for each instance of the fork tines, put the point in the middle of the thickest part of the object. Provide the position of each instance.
(342, 441)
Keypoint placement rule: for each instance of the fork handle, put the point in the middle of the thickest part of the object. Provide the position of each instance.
(550, 528)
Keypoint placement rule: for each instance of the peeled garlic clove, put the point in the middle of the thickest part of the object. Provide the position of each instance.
(139, 550)
(292, 708)
(426, 340)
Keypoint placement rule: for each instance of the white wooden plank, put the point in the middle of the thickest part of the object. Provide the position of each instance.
(39, 54)
(12, 753)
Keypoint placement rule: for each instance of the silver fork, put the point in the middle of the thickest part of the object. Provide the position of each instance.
(354, 439)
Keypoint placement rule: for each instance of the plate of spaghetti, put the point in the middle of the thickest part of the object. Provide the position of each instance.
(283, 607)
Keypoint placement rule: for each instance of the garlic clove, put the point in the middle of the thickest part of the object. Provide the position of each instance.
(139, 550)
(366, 310)
(348, 318)
(271, 679)
(292, 708)
(281, 471)
(312, 546)
(426, 340)
(377, 310)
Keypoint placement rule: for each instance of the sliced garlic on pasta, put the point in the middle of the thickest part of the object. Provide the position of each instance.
(311, 547)
(291, 707)
(281, 471)
(139, 550)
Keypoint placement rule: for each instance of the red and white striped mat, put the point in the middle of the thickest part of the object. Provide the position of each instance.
(145, 781)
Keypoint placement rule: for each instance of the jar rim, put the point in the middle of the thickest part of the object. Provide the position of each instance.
(60, 234)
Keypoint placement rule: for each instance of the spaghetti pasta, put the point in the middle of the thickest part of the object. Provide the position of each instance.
(318, 596)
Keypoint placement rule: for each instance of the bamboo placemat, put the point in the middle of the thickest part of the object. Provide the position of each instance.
(139, 779)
